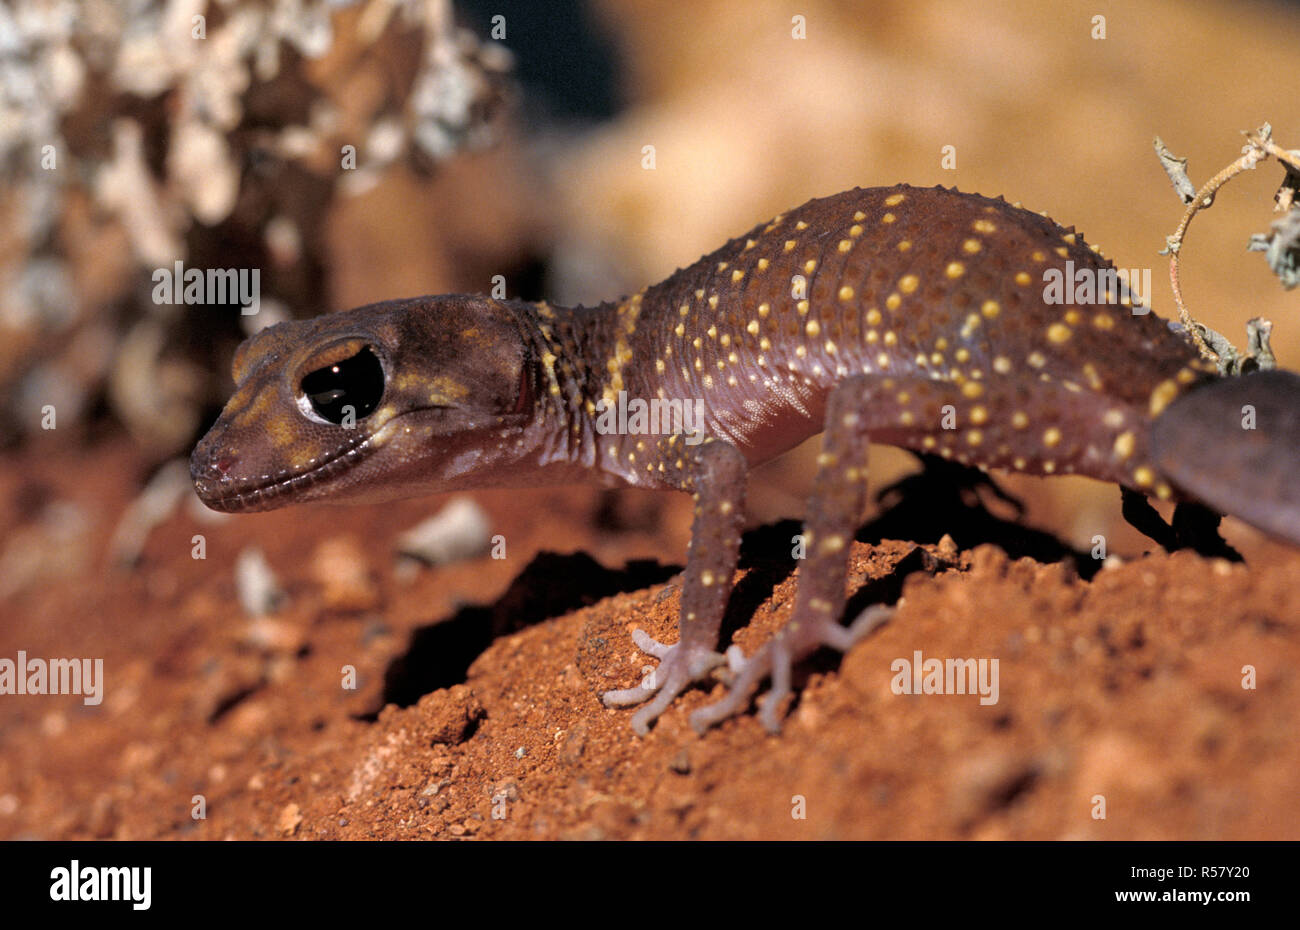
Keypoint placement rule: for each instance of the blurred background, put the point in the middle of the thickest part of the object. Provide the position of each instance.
(359, 150)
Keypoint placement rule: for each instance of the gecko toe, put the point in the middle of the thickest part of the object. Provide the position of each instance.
(679, 666)
(842, 638)
(775, 660)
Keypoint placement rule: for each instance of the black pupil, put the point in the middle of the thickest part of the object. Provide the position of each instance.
(352, 387)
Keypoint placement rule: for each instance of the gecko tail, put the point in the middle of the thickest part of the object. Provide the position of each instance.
(1234, 445)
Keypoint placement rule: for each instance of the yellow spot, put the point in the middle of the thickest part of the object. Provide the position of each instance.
(892, 302)
(765, 344)
(1061, 251)
(882, 360)
(712, 332)
(802, 307)
(1103, 321)
(891, 338)
(1048, 467)
(1058, 333)
(1163, 491)
(1036, 359)
(845, 245)
(855, 231)
(659, 365)
(832, 544)
(974, 437)
(1019, 420)
(1068, 237)
(984, 226)
(801, 225)
(906, 418)
(1018, 464)
(830, 347)
(801, 351)
(1051, 437)
(764, 310)
(810, 266)
(1023, 279)
(713, 301)
(1143, 476)
(790, 244)
(1094, 379)
(979, 416)
(722, 266)
(749, 244)
(928, 442)
(1002, 365)
(1165, 392)
(894, 200)
(873, 317)
(955, 270)
(904, 245)
(908, 283)
(859, 216)
(888, 218)
(752, 328)
(813, 328)
(737, 275)
(1113, 418)
(972, 389)
(1185, 376)
(762, 264)
(990, 309)
(1039, 255)
(846, 293)
(962, 355)
(1124, 445)
(679, 330)
(872, 336)
(971, 246)
(684, 310)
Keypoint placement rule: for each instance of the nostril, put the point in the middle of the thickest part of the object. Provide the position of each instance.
(210, 465)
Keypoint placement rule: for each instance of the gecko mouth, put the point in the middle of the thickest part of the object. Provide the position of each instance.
(268, 492)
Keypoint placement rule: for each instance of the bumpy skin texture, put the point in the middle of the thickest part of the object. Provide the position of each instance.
(914, 317)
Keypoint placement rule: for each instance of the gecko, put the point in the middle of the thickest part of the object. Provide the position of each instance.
(916, 317)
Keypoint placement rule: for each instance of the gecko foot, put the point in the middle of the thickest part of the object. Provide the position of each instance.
(776, 658)
(679, 666)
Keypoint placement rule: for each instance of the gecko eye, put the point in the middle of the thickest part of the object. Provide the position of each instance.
(353, 386)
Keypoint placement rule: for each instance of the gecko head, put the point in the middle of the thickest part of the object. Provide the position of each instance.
(389, 400)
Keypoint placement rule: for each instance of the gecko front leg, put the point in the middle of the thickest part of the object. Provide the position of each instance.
(715, 473)
(834, 510)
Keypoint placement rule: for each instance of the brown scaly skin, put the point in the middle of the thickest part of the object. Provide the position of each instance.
(922, 323)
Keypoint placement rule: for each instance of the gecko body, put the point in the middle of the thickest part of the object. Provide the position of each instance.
(907, 316)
